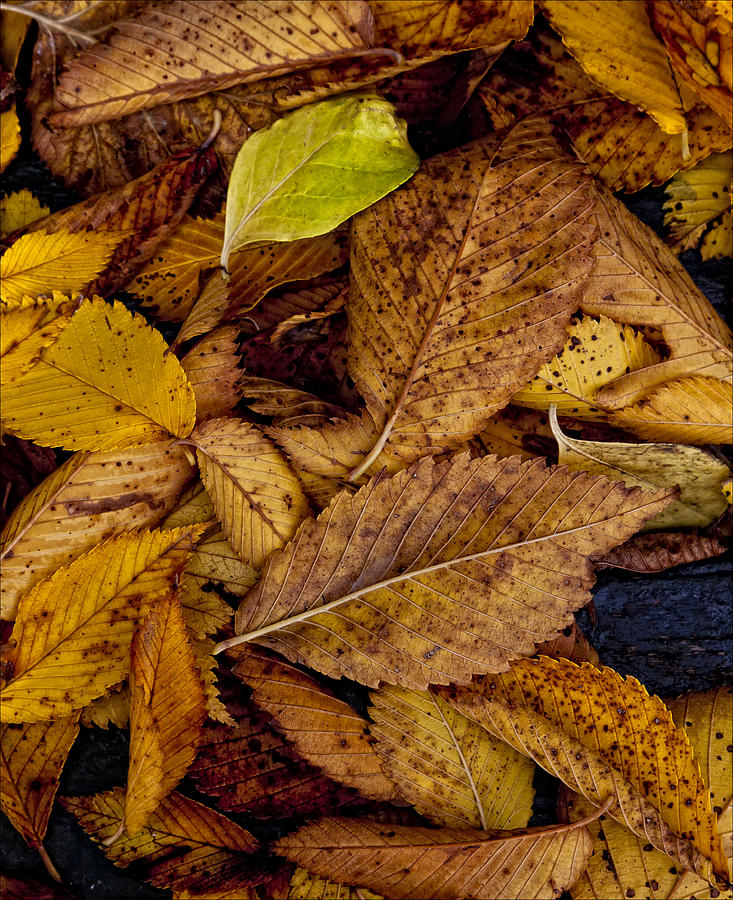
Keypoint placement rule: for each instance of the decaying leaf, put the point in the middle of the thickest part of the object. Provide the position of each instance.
(113, 708)
(403, 862)
(438, 272)
(286, 405)
(304, 886)
(514, 431)
(81, 648)
(604, 736)
(18, 210)
(325, 730)
(106, 382)
(27, 326)
(698, 208)
(9, 137)
(447, 766)
(255, 494)
(698, 474)
(570, 644)
(87, 499)
(659, 551)
(283, 183)
(211, 369)
(203, 649)
(407, 581)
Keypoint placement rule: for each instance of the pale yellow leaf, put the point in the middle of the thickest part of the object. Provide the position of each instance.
(9, 137)
(19, 209)
(698, 205)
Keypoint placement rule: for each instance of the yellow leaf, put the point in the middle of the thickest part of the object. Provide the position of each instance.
(446, 765)
(9, 137)
(111, 709)
(255, 494)
(614, 42)
(185, 846)
(718, 241)
(87, 499)
(18, 209)
(26, 327)
(694, 410)
(167, 710)
(596, 352)
(204, 651)
(637, 279)
(304, 886)
(443, 570)
(106, 383)
(66, 262)
(698, 204)
(624, 865)
(698, 474)
(728, 490)
(74, 629)
(604, 736)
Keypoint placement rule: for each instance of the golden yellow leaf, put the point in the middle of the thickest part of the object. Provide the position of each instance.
(624, 865)
(614, 43)
(211, 369)
(437, 277)
(26, 327)
(700, 45)
(324, 729)
(304, 886)
(728, 491)
(32, 757)
(694, 410)
(446, 765)
(698, 474)
(107, 382)
(409, 580)
(18, 209)
(411, 863)
(9, 137)
(255, 494)
(596, 352)
(185, 846)
(167, 710)
(221, 46)
(698, 205)
(87, 499)
(604, 736)
(113, 708)
(13, 29)
(74, 629)
(204, 651)
(637, 279)
(66, 262)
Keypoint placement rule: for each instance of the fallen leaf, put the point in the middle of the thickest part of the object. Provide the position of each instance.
(66, 261)
(167, 710)
(9, 137)
(113, 708)
(174, 51)
(404, 862)
(408, 580)
(437, 276)
(255, 494)
(304, 886)
(288, 406)
(211, 370)
(659, 551)
(203, 648)
(514, 431)
(571, 644)
(27, 326)
(699, 43)
(87, 499)
(325, 730)
(18, 210)
(595, 354)
(31, 760)
(614, 43)
(80, 648)
(698, 474)
(586, 727)
(698, 208)
(185, 846)
(282, 184)
(105, 383)
(448, 767)
(637, 279)
(22, 888)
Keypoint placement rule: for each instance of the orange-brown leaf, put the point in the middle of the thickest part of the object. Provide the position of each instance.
(211, 369)
(659, 551)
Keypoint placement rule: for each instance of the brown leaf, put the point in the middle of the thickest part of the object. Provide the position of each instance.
(286, 405)
(325, 730)
(570, 644)
(659, 551)
(516, 431)
(174, 51)
(167, 710)
(438, 275)
(23, 888)
(211, 369)
(23, 466)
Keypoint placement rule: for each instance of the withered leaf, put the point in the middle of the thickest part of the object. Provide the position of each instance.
(27, 325)
(698, 208)
(661, 550)
(408, 581)
(211, 369)
(304, 886)
(18, 210)
(9, 137)
(325, 731)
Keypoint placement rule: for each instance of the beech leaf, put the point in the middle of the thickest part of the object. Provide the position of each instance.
(18, 210)
(26, 327)
(659, 551)
(9, 136)
(313, 169)
(698, 208)
(433, 574)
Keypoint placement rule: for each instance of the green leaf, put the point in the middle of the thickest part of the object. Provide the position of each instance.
(314, 168)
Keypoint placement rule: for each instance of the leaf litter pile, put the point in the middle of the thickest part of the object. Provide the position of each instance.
(349, 363)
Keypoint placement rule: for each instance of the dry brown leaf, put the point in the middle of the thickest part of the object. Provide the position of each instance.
(203, 648)
(604, 736)
(288, 406)
(441, 571)
(21, 888)
(447, 863)
(87, 499)
(325, 730)
(514, 431)
(571, 644)
(659, 551)
(637, 279)
(174, 51)
(211, 369)
(439, 272)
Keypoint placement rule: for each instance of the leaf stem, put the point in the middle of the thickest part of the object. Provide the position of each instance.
(47, 862)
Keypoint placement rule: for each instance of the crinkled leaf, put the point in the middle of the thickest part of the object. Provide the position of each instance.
(659, 551)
